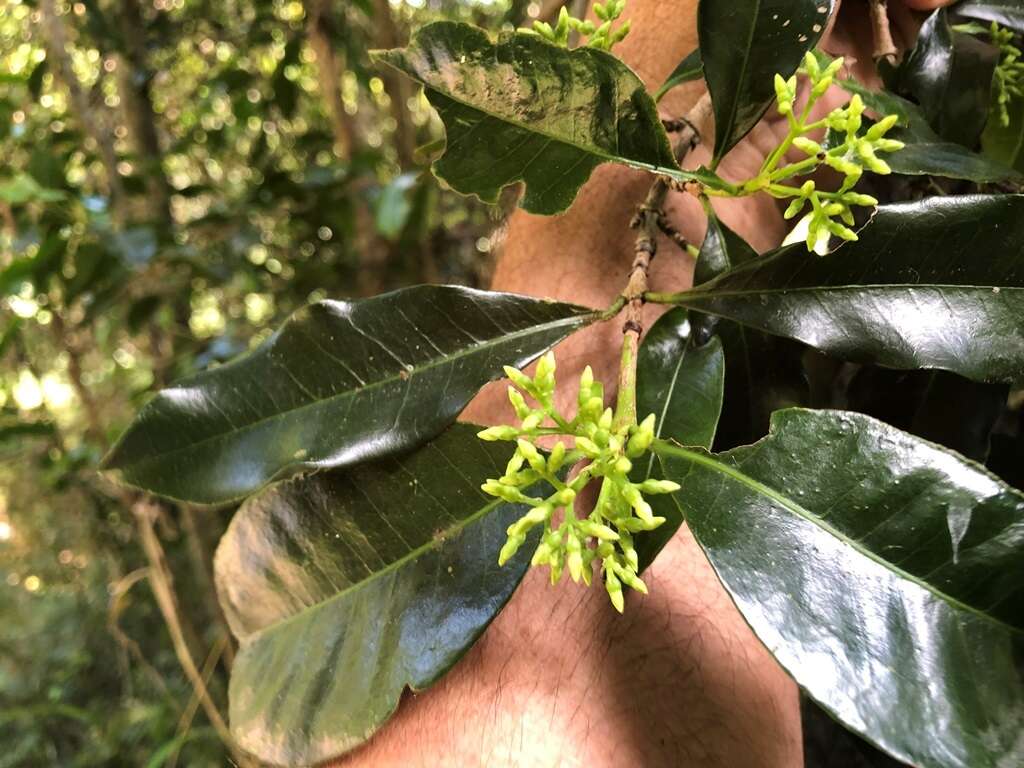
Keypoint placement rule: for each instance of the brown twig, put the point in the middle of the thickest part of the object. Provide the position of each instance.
(161, 581)
(189, 713)
(199, 554)
(885, 48)
(118, 590)
(649, 220)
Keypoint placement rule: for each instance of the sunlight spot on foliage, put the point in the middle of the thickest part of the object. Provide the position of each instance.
(259, 307)
(27, 392)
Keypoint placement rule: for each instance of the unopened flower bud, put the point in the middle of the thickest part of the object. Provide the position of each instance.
(519, 378)
(531, 454)
(614, 589)
(518, 403)
(586, 385)
(564, 497)
(598, 531)
(541, 555)
(589, 447)
(545, 376)
(531, 422)
(511, 547)
(514, 464)
(783, 95)
(879, 129)
(807, 146)
(633, 581)
(557, 457)
(492, 434)
(795, 207)
(889, 145)
(659, 486)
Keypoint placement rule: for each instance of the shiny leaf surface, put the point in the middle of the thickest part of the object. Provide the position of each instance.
(762, 372)
(937, 283)
(346, 587)
(744, 43)
(950, 75)
(339, 383)
(882, 571)
(1009, 13)
(682, 384)
(523, 109)
(926, 153)
(689, 69)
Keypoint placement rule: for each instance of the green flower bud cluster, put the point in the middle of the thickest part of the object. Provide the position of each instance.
(848, 151)
(570, 543)
(602, 36)
(1009, 75)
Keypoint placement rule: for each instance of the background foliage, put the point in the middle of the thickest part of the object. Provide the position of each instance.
(180, 176)
(177, 177)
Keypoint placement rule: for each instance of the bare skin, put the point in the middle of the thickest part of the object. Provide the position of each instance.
(560, 679)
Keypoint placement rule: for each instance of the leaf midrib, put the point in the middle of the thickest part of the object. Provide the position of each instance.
(662, 448)
(713, 294)
(352, 392)
(729, 124)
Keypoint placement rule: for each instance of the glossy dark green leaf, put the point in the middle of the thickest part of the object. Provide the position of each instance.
(950, 75)
(521, 109)
(937, 283)
(347, 587)
(882, 571)
(744, 43)
(339, 383)
(689, 69)
(926, 153)
(681, 383)
(762, 372)
(1009, 13)
(919, 402)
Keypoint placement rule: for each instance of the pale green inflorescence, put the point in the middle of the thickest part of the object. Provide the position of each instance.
(605, 535)
(1008, 79)
(850, 154)
(602, 36)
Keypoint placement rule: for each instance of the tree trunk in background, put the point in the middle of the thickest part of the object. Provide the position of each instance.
(55, 39)
(399, 88)
(134, 81)
(329, 69)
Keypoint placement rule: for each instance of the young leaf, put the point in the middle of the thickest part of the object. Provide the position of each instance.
(926, 153)
(681, 383)
(744, 43)
(523, 109)
(349, 586)
(880, 570)
(937, 283)
(689, 69)
(1005, 143)
(950, 74)
(1009, 13)
(340, 382)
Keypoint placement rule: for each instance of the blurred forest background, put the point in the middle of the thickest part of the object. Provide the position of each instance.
(176, 177)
